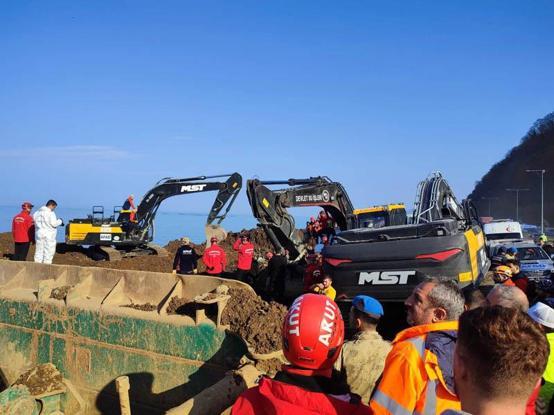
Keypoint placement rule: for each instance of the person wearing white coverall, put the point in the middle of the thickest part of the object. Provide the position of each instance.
(46, 228)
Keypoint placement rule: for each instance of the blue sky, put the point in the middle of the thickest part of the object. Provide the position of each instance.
(103, 98)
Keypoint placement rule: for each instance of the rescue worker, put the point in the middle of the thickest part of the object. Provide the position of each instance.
(418, 374)
(511, 254)
(325, 287)
(245, 249)
(500, 357)
(46, 228)
(542, 240)
(503, 275)
(186, 259)
(128, 210)
(214, 258)
(277, 271)
(313, 271)
(313, 333)
(362, 359)
(519, 278)
(23, 232)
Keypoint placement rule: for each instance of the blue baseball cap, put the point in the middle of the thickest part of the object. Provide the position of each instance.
(368, 305)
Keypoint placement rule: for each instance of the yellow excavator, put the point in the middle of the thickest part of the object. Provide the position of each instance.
(378, 216)
(131, 235)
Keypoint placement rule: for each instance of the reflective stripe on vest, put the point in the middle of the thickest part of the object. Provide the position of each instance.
(389, 403)
(431, 391)
(419, 344)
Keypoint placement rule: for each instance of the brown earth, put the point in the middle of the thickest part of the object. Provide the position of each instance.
(59, 293)
(67, 255)
(143, 307)
(255, 320)
(269, 366)
(182, 306)
(41, 379)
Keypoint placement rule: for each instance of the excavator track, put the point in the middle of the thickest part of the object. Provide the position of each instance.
(106, 253)
(158, 250)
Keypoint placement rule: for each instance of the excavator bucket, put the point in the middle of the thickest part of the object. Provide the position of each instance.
(163, 331)
(212, 230)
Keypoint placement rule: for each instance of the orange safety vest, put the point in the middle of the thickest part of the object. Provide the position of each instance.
(413, 381)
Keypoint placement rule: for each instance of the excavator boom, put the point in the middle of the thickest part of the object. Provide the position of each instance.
(168, 187)
(270, 207)
(111, 236)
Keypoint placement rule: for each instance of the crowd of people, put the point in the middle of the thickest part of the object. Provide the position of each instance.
(320, 230)
(461, 354)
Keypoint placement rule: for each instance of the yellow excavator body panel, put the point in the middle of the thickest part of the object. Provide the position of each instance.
(79, 231)
(381, 208)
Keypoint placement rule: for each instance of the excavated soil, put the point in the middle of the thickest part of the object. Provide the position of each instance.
(269, 366)
(68, 255)
(59, 293)
(255, 320)
(182, 306)
(41, 379)
(142, 307)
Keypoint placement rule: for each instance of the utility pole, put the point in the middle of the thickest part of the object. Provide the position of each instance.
(517, 190)
(489, 199)
(541, 172)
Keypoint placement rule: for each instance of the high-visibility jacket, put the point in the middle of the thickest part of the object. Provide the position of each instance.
(418, 376)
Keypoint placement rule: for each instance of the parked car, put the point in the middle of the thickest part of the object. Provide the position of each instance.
(534, 261)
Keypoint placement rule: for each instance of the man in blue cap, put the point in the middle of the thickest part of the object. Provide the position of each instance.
(362, 359)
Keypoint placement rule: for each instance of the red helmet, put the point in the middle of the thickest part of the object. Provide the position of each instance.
(313, 332)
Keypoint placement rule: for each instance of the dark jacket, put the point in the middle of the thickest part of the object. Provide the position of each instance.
(186, 260)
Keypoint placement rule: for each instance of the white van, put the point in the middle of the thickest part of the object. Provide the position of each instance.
(502, 229)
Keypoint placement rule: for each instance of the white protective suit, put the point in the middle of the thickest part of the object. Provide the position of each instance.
(46, 227)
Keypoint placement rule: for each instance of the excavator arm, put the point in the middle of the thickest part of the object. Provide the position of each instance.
(435, 200)
(270, 207)
(227, 191)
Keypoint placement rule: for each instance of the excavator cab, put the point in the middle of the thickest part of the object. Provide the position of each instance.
(380, 216)
(114, 238)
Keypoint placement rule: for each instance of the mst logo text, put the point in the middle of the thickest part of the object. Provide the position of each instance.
(385, 277)
(193, 187)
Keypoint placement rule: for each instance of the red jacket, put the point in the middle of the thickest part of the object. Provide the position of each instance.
(312, 275)
(215, 260)
(246, 253)
(23, 227)
(274, 397)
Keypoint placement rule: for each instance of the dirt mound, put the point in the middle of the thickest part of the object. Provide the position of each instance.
(41, 379)
(179, 305)
(255, 320)
(142, 307)
(59, 293)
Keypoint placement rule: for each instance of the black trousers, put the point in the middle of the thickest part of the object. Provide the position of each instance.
(244, 276)
(21, 250)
